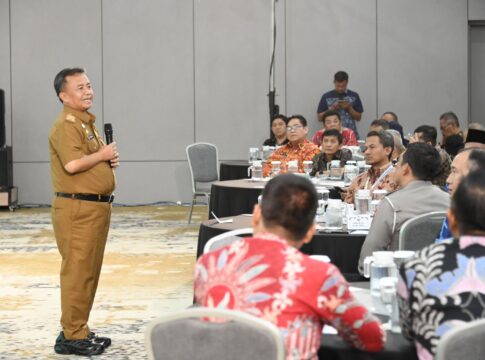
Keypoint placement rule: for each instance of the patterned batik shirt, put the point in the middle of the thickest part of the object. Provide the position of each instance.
(301, 152)
(367, 179)
(441, 288)
(267, 278)
(348, 137)
(320, 163)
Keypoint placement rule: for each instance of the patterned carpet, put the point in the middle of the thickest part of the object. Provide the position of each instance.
(147, 272)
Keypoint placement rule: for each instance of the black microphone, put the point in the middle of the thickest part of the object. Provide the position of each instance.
(108, 133)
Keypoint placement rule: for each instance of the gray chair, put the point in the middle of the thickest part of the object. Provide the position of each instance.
(187, 335)
(464, 342)
(225, 239)
(204, 168)
(420, 230)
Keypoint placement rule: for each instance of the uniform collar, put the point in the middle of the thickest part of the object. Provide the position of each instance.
(84, 116)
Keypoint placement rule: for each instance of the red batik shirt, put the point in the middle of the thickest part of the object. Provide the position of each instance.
(267, 278)
(301, 152)
(348, 137)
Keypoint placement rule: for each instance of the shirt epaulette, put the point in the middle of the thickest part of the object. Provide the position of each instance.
(71, 118)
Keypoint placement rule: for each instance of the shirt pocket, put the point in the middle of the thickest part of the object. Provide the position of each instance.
(92, 143)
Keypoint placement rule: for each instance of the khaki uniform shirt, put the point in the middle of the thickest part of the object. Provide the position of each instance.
(417, 198)
(73, 136)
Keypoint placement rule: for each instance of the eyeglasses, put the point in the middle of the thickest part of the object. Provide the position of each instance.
(294, 127)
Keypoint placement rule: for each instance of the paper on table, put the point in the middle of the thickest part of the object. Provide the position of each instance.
(360, 232)
(327, 329)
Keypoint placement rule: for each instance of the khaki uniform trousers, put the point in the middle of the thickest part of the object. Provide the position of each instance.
(81, 229)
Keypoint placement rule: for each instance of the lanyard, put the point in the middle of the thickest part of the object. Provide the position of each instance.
(383, 175)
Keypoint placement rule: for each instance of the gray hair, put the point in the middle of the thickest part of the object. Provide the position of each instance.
(398, 145)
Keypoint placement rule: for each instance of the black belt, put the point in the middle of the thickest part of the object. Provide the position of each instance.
(87, 197)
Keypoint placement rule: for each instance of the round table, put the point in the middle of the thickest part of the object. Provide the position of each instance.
(342, 248)
(234, 197)
(233, 170)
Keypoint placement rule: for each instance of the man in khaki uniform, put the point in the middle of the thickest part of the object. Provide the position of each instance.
(83, 182)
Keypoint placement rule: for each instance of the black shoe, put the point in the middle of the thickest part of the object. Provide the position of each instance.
(77, 347)
(105, 341)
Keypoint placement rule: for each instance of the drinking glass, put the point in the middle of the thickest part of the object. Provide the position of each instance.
(389, 299)
(333, 215)
(323, 194)
(335, 173)
(350, 172)
(307, 167)
(275, 168)
(253, 154)
(363, 201)
(293, 166)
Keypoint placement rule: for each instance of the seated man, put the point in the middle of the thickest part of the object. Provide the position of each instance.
(379, 125)
(331, 120)
(331, 150)
(398, 145)
(453, 145)
(378, 151)
(443, 285)
(393, 121)
(268, 277)
(463, 163)
(416, 196)
(278, 131)
(449, 126)
(429, 135)
(298, 147)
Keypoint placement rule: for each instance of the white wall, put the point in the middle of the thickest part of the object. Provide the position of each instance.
(168, 73)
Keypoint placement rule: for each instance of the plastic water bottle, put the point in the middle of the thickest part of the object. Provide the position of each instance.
(378, 266)
(335, 173)
(257, 170)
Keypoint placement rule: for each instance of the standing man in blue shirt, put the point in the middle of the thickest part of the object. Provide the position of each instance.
(343, 100)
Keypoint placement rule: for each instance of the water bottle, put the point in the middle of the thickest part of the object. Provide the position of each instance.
(307, 167)
(363, 201)
(378, 266)
(350, 171)
(293, 166)
(267, 150)
(257, 170)
(253, 154)
(323, 196)
(335, 173)
(389, 299)
(275, 168)
(333, 216)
